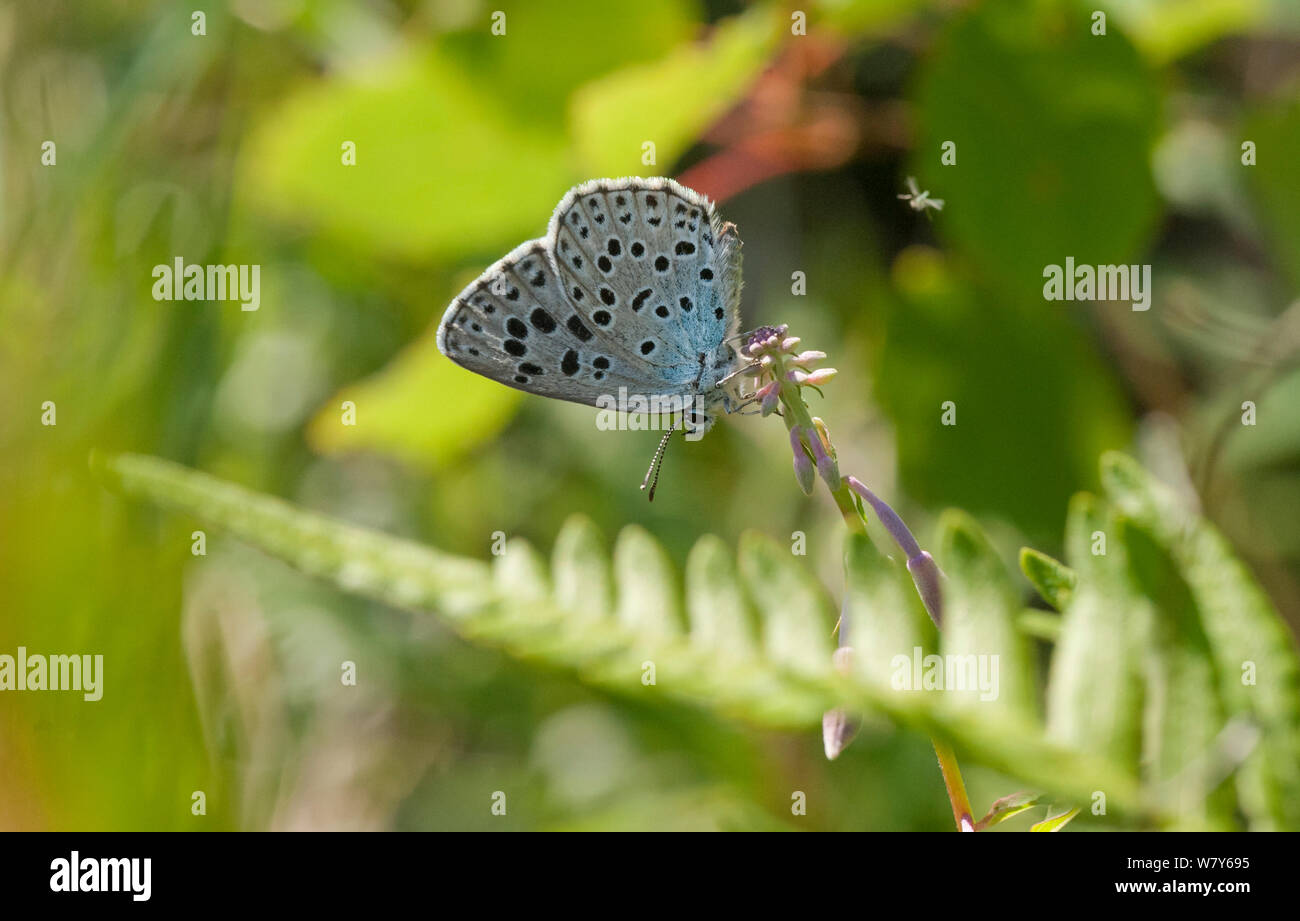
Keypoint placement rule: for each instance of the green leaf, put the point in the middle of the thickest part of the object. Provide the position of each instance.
(1275, 130)
(1055, 822)
(430, 143)
(648, 593)
(790, 683)
(1183, 715)
(1040, 625)
(882, 616)
(947, 308)
(662, 103)
(980, 607)
(1094, 693)
(792, 607)
(1053, 130)
(392, 411)
(521, 70)
(715, 601)
(1008, 806)
(1169, 29)
(580, 570)
(1053, 579)
(864, 17)
(1247, 639)
(521, 572)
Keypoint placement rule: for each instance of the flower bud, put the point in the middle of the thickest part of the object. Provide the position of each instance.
(803, 468)
(838, 730)
(827, 469)
(819, 377)
(926, 575)
(804, 359)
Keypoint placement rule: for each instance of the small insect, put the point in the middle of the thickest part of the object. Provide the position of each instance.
(634, 290)
(918, 200)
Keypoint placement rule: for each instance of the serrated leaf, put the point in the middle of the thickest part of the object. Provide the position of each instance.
(648, 593)
(580, 570)
(1246, 637)
(1094, 690)
(1053, 579)
(521, 572)
(1183, 715)
(715, 602)
(795, 617)
(980, 607)
(793, 693)
(881, 617)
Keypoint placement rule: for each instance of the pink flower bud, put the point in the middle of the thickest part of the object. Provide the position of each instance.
(827, 469)
(838, 730)
(926, 575)
(803, 468)
(804, 359)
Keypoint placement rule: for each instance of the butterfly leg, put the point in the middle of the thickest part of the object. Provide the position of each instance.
(740, 407)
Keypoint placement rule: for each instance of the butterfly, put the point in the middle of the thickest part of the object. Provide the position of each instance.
(636, 285)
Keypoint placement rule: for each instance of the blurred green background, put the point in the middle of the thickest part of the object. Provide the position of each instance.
(226, 147)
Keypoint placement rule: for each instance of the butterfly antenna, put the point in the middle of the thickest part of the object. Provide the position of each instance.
(657, 462)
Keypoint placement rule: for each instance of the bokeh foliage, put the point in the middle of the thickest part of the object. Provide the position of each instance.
(222, 672)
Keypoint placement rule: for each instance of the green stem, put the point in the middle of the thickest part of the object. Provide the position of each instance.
(961, 813)
(796, 413)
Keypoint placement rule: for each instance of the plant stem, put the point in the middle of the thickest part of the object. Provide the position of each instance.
(961, 813)
(796, 414)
